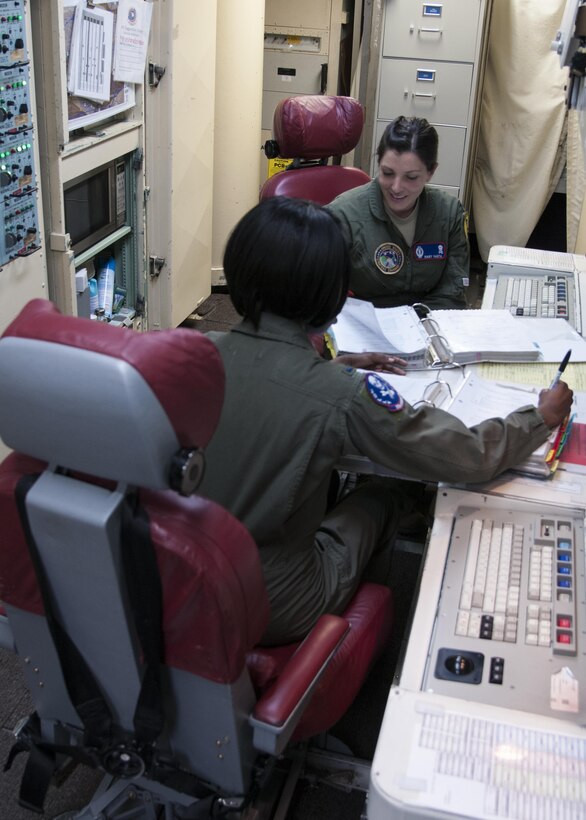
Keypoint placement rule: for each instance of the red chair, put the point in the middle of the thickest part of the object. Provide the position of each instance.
(136, 605)
(310, 130)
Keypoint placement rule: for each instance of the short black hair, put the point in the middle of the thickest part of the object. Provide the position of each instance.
(410, 134)
(288, 256)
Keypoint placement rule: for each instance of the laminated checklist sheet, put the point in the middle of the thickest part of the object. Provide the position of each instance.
(448, 337)
(456, 759)
(90, 57)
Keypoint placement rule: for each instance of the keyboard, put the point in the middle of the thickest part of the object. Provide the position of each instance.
(511, 615)
(547, 297)
(490, 597)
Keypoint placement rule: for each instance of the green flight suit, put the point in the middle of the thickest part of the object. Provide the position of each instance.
(385, 270)
(288, 416)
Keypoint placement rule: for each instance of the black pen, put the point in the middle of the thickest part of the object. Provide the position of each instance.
(561, 369)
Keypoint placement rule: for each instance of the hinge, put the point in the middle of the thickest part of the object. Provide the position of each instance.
(155, 74)
(155, 265)
(137, 159)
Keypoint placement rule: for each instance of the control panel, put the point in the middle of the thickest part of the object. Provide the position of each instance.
(19, 232)
(511, 615)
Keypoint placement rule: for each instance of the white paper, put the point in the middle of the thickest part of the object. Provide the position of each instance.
(362, 327)
(132, 36)
(554, 337)
(479, 399)
(90, 55)
(81, 111)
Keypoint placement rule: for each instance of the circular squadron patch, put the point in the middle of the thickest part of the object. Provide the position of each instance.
(389, 258)
(383, 393)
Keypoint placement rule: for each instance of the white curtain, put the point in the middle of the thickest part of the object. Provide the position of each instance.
(521, 147)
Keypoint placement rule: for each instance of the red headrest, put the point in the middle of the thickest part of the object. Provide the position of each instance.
(182, 367)
(316, 126)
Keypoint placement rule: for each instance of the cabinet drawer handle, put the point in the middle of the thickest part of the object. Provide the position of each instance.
(421, 94)
(430, 31)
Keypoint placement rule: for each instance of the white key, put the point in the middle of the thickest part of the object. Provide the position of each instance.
(462, 623)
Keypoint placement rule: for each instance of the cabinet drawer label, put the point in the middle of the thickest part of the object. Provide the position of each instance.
(426, 75)
(432, 9)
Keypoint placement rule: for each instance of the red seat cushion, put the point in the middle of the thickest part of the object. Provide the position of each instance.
(319, 184)
(370, 615)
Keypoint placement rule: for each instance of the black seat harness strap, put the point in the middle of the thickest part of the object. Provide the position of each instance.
(101, 735)
(143, 583)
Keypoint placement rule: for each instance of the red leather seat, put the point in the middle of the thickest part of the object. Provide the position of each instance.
(370, 616)
(310, 129)
(104, 421)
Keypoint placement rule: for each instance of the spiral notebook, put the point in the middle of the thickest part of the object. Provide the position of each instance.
(443, 337)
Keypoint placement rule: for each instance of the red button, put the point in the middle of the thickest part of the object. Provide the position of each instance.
(564, 622)
(564, 637)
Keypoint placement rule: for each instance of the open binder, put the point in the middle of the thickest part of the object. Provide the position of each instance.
(473, 399)
(442, 338)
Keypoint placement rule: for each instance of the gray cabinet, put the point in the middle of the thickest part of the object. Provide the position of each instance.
(432, 58)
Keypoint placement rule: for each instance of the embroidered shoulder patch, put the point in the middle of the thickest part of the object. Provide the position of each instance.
(381, 392)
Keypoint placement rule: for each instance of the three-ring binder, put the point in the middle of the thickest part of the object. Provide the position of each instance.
(435, 339)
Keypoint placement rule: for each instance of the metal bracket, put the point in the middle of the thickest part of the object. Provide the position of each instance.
(137, 159)
(156, 73)
(155, 265)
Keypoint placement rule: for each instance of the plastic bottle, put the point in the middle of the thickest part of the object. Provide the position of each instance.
(94, 303)
(106, 276)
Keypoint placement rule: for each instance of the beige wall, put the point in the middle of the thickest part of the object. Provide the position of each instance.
(237, 143)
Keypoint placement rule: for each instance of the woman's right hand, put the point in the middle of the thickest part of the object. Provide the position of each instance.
(555, 404)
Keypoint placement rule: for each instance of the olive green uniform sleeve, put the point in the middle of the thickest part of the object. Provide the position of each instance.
(430, 444)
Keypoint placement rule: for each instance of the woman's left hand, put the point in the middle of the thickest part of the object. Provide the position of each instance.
(373, 361)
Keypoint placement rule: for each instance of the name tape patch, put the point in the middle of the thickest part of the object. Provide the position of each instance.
(431, 250)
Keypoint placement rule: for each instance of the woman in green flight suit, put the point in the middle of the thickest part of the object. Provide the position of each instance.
(289, 416)
(409, 241)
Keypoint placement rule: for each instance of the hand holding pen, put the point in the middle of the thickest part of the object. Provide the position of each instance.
(555, 404)
(560, 370)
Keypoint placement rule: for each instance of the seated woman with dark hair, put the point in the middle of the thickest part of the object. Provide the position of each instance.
(290, 415)
(409, 241)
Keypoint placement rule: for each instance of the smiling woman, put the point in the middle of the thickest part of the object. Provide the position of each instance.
(407, 159)
(409, 241)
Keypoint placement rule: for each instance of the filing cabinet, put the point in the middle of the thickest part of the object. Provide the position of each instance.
(432, 59)
(301, 54)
